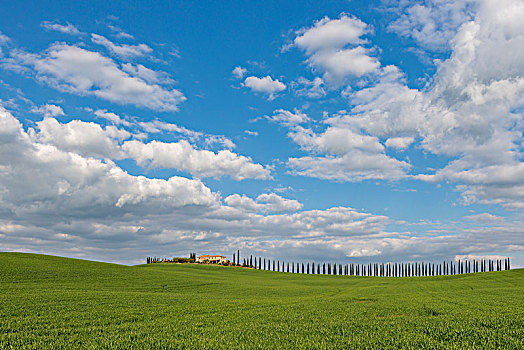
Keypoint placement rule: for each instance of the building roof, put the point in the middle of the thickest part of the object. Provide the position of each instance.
(211, 256)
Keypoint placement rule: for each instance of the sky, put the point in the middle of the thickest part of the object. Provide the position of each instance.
(325, 131)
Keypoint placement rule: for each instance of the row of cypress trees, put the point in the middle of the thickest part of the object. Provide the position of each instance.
(377, 269)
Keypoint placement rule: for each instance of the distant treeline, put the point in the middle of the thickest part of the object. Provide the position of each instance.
(377, 269)
(179, 260)
(410, 269)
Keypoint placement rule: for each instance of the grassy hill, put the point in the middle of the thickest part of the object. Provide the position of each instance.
(53, 302)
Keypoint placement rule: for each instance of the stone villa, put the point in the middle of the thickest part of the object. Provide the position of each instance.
(214, 259)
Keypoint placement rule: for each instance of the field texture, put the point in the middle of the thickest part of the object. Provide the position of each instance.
(52, 302)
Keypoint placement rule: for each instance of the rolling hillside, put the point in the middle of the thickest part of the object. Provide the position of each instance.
(53, 302)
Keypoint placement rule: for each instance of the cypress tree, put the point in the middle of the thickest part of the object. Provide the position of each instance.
(303, 268)
(313, 268)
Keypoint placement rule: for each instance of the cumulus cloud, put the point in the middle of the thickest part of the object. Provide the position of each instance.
(200, 163)
(267, 202)
(66, 29)
(470, 112)
(339, 153)
(90, 206)
(331, 33)
(334, 47)
(434, 23)
(239, 72)
(79, 71)
(485, 218)
(50, 181)
(86, 139)
(60, 202)
(400, 143)
(49, 110)
(112, 117)
(354, 166)
(123, 50)
(264, 85)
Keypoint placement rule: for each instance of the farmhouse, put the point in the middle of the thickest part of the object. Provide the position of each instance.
(214, 259)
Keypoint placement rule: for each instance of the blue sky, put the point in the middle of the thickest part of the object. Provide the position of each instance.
(339, 131)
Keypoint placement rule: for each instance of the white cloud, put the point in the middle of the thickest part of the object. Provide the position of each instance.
(60, 202)
(288, 118)
(119, 33)
(339, 153)
(112, 117)
(243, 202)
(89, 139)
(123, 50)
(49, 110)
(310, 88)
(331, 33)
(200, 163)
(470, 112)
(336, 141)
(265, 85)
(94, 207)
(267, 202)
(363, 252)
(51, 182)
(157, 126)
(251, 132)
(67, 29)
(76, 70)
(434, 23)
(239, 72)
(351, 167)
(400, 143)
(485, 218)
(339, 64)
(277, 204)
(3, 39)
(148, 75)
(333, 47)
(472, 257)
(86, 139)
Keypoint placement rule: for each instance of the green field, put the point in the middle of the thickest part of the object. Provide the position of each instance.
(52, 302)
